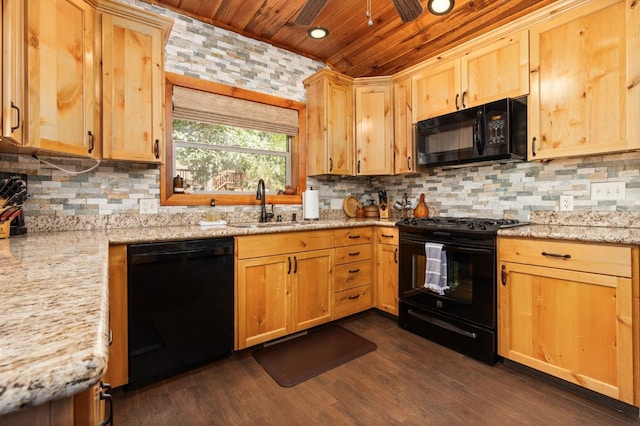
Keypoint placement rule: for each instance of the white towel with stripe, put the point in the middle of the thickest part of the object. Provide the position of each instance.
(436, 268)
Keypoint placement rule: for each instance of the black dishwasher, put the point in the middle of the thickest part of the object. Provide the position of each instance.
(180, 306)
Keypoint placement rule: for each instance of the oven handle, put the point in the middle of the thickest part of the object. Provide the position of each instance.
(442, 324)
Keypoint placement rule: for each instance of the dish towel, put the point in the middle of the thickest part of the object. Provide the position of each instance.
(436, 268)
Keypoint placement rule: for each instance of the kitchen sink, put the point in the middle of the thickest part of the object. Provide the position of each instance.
(267, 225)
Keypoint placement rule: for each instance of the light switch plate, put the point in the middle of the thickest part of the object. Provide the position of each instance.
(608, 191)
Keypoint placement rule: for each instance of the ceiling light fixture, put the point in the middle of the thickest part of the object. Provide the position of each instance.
(440, 7)
(318, 32)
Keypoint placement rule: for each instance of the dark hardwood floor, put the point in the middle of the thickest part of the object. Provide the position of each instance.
(407, 380)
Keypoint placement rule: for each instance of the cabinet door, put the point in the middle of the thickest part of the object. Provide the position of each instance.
(339, 128)
(312, 288)
(263, 305)
(387, 278)
(374, 130)
(133, 90)
(329, 124)
(13, 83)
(403, 142)
(436, 90)
(497, 71)
(118, 368)
(61, 104)
(585, 98)
(573, 325)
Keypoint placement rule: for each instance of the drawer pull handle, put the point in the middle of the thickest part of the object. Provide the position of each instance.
(354, 254)
(354, 236)
(353, 271)
(387, 236)
(563, 256)
(354, 297)
(503, 275)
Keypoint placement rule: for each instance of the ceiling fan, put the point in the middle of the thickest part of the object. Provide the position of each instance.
(407, 9)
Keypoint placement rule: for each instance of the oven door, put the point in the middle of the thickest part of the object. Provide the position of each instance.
(470, 275)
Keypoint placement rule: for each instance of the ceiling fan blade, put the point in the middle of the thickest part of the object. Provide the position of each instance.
(408, 9)
(309, 12)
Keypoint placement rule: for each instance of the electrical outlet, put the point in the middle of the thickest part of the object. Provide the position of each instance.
(608, 191)
(148, 206)
(566, 203)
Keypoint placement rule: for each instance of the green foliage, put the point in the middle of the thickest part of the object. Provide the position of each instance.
(205, 164)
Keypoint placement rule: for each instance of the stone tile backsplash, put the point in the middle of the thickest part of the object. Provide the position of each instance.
(109, 195)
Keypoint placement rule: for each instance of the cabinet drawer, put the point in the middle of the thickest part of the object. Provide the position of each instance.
(595, 258)
(352, 301)
(385, 235)
(272, 244)
(352, 275)
(352, 253)
(353, 236)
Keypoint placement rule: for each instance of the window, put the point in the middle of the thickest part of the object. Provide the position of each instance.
(215, 158)
(221, 140)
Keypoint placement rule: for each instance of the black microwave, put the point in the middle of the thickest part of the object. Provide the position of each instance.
(496, 131)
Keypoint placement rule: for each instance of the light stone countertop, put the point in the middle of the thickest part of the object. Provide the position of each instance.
(54, 307)
(54, 298)
(54, 304)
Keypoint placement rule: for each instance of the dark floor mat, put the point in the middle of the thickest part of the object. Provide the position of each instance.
(296, 360)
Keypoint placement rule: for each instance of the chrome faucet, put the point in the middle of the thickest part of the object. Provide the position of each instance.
(262, 196)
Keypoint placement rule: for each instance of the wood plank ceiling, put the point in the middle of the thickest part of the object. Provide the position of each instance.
(352, 47)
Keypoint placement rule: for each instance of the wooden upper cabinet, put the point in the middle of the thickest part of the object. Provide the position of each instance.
(53, 90)
(133, 86)
(585, 95)
(329, 124)
(49, 94)
(403, 133)
(374, 126)
(436, 90)
(496, 71)
(488, 72)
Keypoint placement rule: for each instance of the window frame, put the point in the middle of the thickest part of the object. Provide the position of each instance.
(298, 147)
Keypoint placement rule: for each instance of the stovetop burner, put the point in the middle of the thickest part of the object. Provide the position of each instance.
(459, 223)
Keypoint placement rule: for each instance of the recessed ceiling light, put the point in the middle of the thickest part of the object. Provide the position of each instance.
(318, 32)
(440, 7)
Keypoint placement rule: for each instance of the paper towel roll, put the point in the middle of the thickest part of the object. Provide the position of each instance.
(311, 204)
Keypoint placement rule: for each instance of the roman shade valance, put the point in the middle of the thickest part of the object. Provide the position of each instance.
(192, 104)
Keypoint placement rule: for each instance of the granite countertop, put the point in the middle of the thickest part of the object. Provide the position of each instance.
(54, 299)
(591, 227)
(54, 304)
(54, 307)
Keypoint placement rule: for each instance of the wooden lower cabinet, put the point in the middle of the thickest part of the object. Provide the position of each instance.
(386, 274)
(86, 408)
(353, 283)
(567, 309)
(118, 368)
(285, 292)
